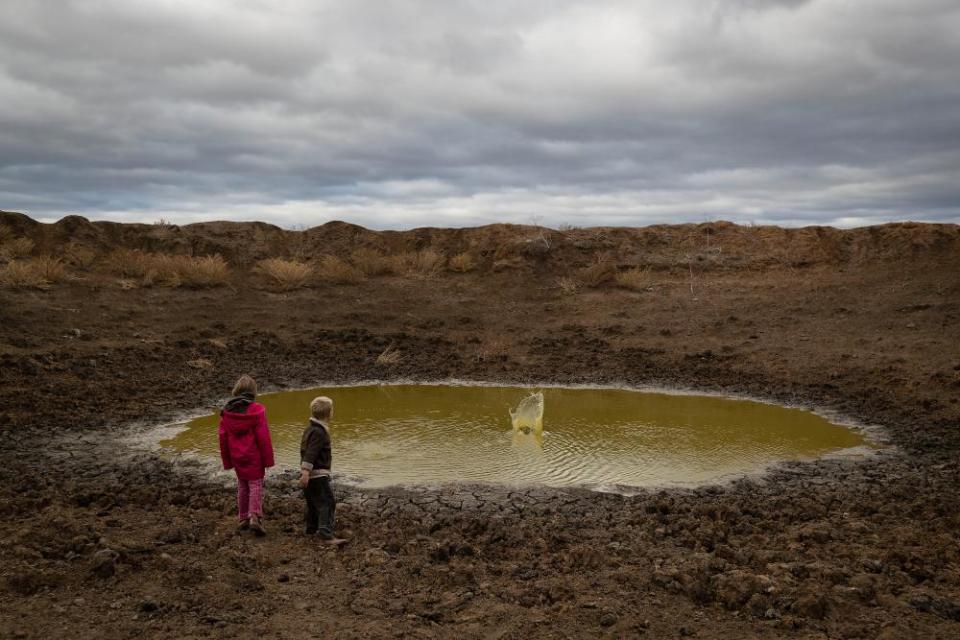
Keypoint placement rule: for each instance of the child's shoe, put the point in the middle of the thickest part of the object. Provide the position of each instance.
(257, 527)
(244, 525)
(334, 542)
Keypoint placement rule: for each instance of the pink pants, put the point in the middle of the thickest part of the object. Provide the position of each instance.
(249, 498)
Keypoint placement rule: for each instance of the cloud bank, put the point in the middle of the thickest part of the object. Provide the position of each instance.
(394, 114)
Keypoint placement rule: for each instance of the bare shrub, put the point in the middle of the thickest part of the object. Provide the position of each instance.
(597, 274)
(373, 263)
(390, 355)
(16, 249)
(35, 273)
(333, 269)
(79, 256)
(635, 279)
(462, 263)
(285, 275)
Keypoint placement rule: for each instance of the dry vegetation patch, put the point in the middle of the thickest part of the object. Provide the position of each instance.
(15, 248)
(333, 269)
(374, 263)
(462, 263)
(285, 275)
(79, 257)
(568, 286)
(424, 263)
(33, 273)
(597, 274)
(635, 279)
(390, 355)
(142, 269)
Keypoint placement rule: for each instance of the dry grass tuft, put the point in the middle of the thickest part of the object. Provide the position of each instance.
(373, 263)
(285, 275)
(16, 249)
(128, 263)
(333, 269)
(202, 272)
(424, 263)
(390, 355)
(79, 257)
(35, 273)
(597, 274)
(568, 286)
(462, 263)
(635, 279)
(493, 349)
(158, 269)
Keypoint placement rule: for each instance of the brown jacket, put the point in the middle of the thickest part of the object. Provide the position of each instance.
(315, 454)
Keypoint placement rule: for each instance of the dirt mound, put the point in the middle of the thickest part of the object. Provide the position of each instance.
(706, 246)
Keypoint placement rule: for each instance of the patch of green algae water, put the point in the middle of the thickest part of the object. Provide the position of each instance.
(429, 434)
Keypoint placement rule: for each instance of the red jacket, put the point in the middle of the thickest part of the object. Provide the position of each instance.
(245, 442)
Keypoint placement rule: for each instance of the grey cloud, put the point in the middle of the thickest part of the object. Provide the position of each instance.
(397, 113)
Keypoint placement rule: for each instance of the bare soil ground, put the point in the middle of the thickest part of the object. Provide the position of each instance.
(98, 540)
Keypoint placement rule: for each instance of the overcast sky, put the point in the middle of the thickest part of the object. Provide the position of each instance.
(457, 113)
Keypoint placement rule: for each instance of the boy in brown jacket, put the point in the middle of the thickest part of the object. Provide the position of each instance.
(315, 459)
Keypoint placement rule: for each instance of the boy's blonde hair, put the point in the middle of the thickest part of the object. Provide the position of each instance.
(321, 407)
(245, 385)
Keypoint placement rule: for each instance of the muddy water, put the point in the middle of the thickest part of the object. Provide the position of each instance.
(415, 434)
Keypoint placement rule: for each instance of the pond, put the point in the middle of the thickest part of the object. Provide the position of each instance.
(602, 438)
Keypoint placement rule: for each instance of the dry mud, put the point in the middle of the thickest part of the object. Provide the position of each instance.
(101, 539)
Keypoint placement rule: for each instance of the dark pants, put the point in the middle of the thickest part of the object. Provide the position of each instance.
(321, 506)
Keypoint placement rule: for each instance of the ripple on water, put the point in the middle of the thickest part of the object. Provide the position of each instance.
(428, 434)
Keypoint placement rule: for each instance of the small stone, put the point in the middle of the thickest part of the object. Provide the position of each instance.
(283, 577)
(147, 606)
(104, 563)
(608, 619)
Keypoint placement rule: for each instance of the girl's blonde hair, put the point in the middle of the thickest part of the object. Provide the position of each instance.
(245, 385)
(321, 407)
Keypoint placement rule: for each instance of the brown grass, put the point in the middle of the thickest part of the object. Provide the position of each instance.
(568, 286)
(79, 257)
(35, 273)
(16, 249)
(374, 263)
(202, 272)
(635, 279)
(333, 269)
(597, 274)
(285, 275)
(462, 263)
(390, 355)
(128, 263)
(492, 349)
(424, 263)
(159, 269)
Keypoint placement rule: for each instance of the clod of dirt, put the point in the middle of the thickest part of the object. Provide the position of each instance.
(104, 563)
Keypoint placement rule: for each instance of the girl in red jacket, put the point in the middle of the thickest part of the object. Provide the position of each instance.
(245, 447)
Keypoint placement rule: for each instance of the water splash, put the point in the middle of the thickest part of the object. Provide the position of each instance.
(528, 416)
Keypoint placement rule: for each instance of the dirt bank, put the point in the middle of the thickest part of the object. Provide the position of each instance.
(102, 543)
